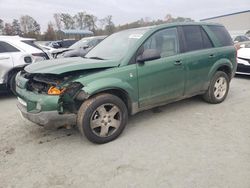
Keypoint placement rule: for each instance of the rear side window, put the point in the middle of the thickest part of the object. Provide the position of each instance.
(221, 34)
(196, 38)
(6, 47)
(206, 40)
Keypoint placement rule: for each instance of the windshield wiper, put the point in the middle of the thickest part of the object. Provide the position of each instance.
(98, 58)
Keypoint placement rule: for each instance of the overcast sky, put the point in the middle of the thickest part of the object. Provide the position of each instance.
(123, 11)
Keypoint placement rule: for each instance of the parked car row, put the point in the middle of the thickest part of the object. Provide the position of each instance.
(16, 52)
(61, 43)
(128, 72)
(243, 61)
(242, 44)
(80, 48)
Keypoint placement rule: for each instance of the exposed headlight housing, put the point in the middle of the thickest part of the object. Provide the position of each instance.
(55, 91)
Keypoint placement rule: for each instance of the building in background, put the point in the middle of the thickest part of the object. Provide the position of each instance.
(74, 33)
(236, 23)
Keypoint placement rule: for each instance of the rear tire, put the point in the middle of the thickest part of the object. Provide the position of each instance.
(102, 118)
(218, 88)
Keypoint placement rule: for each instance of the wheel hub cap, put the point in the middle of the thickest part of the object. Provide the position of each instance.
(105, 120)
(220, 88)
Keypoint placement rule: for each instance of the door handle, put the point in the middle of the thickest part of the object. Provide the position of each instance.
(211, 55)
(178, 62)
(3, 58)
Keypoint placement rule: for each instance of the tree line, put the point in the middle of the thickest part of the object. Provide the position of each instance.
(27, 26)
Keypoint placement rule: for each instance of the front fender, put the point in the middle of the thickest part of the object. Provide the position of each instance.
(104, 84)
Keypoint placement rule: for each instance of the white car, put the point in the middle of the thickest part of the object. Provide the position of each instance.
(15, 53)
(243, 61)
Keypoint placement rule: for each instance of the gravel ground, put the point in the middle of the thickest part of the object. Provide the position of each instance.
(188, 144)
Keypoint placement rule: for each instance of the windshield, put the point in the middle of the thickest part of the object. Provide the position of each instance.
(80, 43)
(116, 45)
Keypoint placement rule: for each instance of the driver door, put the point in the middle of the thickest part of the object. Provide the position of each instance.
(162, 79)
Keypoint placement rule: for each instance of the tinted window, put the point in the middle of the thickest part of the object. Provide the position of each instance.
(67, 43)
(196, 38)
(5, 47)
(206, 40)
(193, 38)
(165, 41)
(222, 35)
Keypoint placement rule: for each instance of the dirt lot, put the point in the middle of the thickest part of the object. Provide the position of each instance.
(188, 144)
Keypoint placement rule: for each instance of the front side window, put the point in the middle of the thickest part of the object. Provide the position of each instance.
(164, 41)
(7, 48)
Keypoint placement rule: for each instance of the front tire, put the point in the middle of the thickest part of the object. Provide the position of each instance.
(12, 83)
(218, 88)
(102, 118)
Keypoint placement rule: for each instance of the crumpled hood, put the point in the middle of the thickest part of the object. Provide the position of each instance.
(59, 66)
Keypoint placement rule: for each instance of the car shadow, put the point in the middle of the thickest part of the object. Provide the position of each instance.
(155, 114)
(242, 76)
(43, 136)
(7, 95)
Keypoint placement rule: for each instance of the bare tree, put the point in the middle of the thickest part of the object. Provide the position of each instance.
(1, 26)
(29, 25)
(50, 33)
(90, 22)
(16, 27)
(68, 20)
(80, 19)
(8, 29)
(168, 18)
(108, 24)
(58, 21)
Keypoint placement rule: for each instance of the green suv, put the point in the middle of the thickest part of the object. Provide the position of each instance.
(128, 72)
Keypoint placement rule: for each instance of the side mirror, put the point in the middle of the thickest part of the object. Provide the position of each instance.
(56, 45)
(148, 55)
(85, 46)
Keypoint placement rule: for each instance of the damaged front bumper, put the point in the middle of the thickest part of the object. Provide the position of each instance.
(50, 111)
(48, 119)
(43, 110)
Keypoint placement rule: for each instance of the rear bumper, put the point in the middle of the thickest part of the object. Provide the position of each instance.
(48, 119)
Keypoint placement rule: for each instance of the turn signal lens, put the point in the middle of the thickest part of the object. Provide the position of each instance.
(55, 91)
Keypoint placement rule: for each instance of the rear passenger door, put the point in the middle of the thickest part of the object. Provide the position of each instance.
(198, 57)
